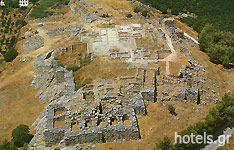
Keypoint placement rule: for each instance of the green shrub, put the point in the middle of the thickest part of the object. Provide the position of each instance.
(66, 2)
(23, 8)
(12, 41)
(6, 145)
(77, 87)
(137, 10)
(25, 147)
(129, 15)
(12, 3)
(85, 61)
(20, 135)
(11, 54)
(165, 144)
(21, 23)
(145, 13)
(34, 1)
(1, 61)
(171, 109)
(60, 64)
(74, 68)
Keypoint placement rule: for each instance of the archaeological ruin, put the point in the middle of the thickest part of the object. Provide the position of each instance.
(108, 110)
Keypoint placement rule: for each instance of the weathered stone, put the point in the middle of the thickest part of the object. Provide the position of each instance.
(33, 44)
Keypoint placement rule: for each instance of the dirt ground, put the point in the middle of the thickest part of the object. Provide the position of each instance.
(17, 102)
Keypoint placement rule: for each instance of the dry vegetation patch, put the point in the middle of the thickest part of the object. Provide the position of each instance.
(101, 68)
(17, 102)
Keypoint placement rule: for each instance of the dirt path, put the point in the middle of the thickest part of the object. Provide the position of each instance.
(172, 56)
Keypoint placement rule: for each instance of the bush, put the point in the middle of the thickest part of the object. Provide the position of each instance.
(34, 1)
(129, 15)
(6, 145)
(11, 54)
(23, 8)
(12, 4)
(77, 87)
(74, 68)
(12, 41)
(66, 2)
(25, 147)
(20, 135)
(171, 109)
(1, 61)
(60, 64)
(85, 61)
(137, 10)
(145, 13)
(21, 23)
(165, 144)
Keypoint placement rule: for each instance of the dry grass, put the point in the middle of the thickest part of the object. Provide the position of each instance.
(59, 124)
(149, 44)
(101, 68)
(116, 5)
(185, 28)
(17, 102)
(230, 146)
(112, 7)
(162, 66)
(72, 57)
(176, 66)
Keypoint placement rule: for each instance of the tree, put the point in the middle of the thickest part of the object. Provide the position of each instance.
(67, 2)
(74, 68)
(129, 15)
(11, 54)
(12, 41)
(6, 145)
(219, 45)
(206, 37)
(137, 10)
(20, 135)
(25, 147)
(13, 4)
(165, 144)
(198, 97)
(172, 109)
(21, 23)
(145, 13)
(34, 1)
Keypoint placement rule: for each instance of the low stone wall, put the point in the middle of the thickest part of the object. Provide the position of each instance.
(33, 44)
